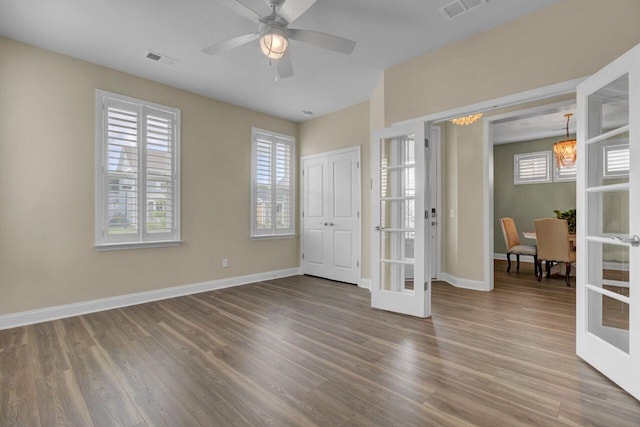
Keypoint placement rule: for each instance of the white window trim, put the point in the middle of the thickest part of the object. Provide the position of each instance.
(287, 234)
(139, 241)
(516, 168)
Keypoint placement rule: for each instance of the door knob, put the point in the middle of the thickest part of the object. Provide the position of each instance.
(632, 240)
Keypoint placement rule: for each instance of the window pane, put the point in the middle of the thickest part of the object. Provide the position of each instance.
(273, 203)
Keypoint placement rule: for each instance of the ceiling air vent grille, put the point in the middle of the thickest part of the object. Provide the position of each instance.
(158, 57)
(460, 7)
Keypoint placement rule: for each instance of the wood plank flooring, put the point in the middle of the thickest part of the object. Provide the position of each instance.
(304, 351)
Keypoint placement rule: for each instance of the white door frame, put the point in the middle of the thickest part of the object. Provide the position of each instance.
(435, 182)
(358, 197)
(532, 95)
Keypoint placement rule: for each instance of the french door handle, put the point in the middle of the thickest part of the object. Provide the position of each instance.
(378, 228)
(331, 224)
(632, 240)
(324, 223)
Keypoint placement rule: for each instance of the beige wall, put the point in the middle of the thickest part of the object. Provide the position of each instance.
(47, 187)
(342, 129)
(571, 39)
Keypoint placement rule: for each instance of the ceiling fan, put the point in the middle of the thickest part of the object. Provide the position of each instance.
(274, 33)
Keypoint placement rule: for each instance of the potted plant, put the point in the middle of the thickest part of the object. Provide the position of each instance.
(570, 216)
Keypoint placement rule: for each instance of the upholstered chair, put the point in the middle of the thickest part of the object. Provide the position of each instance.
(512, 242)
(554, 245)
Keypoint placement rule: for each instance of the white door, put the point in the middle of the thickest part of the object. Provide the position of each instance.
(331, 215)
(608, 190)
(401, 280)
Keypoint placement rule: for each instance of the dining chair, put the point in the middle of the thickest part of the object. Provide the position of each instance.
(512, 242)
(553, 245)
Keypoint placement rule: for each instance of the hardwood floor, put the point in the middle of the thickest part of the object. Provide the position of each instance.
(306, 351)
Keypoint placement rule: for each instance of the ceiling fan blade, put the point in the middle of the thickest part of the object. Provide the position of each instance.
(285, 68)
(291, 10)
(242, 9)
(323, 40)
(231, 43)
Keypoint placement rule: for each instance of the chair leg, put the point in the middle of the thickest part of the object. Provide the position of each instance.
(539, 273)
(568, 277)
(518, 262)
(535, 265)
(508, 262)
(548, 267)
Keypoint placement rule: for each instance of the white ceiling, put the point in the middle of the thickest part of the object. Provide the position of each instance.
(118, 33)
(552, 122)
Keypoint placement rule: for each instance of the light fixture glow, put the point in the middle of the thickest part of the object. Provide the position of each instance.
(565, 151)
(274, 45)
(466, 120)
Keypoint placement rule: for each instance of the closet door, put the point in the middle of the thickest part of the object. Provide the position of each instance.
(331, 215)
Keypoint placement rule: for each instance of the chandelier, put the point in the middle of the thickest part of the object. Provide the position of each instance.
(466, 120)
(565, 151)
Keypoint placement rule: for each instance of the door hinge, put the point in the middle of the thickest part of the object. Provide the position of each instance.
(358, 214)
(357, 263)
(426, 286)
(426, 215)
(358, 165)
(302, 214)
(302, 172)
(302, 256)
(426, 143)
(372, 183)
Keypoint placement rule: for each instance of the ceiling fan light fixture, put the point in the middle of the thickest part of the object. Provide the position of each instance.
(274, 43)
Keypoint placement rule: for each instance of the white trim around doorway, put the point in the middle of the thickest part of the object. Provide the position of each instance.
(541, 93)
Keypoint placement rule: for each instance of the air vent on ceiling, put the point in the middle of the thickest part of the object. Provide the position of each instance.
(460, 7)
(158, 57)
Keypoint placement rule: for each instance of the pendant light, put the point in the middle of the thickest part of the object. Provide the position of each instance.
(565, 151)
(466, 120)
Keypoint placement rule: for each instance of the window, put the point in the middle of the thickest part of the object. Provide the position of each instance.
(565, 173)
(137, 173)
(532, 168)
(616, 161)
(272, 184)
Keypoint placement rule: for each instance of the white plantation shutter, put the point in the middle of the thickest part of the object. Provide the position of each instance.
(616, 161)
(137, 191)
(531, 168)
(566, 173)
(273, 190)
(159, 172)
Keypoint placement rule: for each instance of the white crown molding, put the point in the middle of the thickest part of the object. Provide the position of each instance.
(30, 317)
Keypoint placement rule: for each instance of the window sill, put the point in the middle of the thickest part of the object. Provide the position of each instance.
(273, 236)
(137, 245)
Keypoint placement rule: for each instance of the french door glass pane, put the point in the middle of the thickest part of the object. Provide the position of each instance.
(608, 319)
(608, 161)
(608, 213)
(608, 265)
(397, 213)
(608, 107)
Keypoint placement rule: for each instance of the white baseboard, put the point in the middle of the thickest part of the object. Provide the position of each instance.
(23, 318)
(609, 265)
(365, 283)
(476, 285)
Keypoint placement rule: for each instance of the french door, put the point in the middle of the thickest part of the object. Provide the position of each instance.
(608, 190)
(401, 278)
(331, 215)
